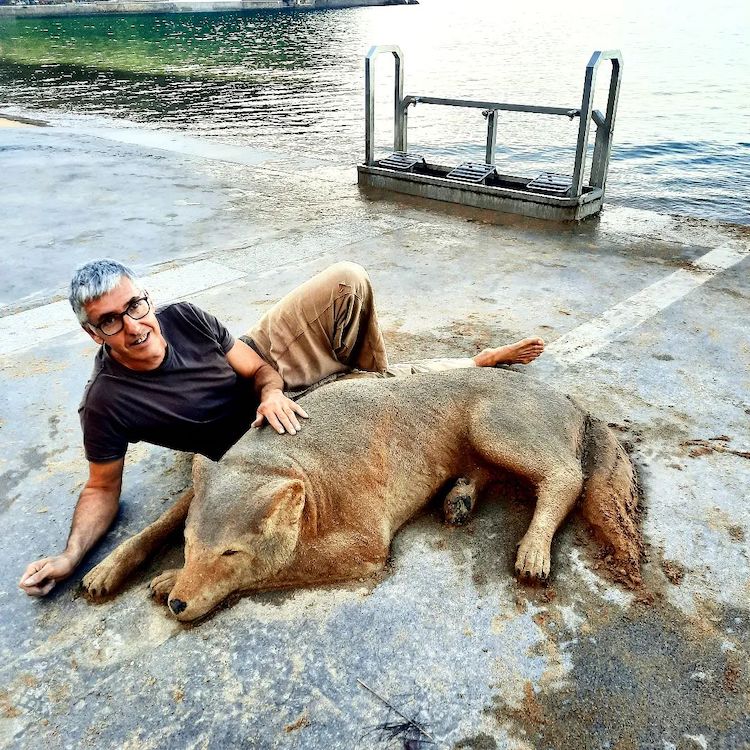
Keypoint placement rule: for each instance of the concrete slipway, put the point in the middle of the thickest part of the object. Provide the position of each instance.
(646, 317)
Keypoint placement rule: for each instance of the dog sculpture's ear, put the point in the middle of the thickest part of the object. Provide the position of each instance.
(285, 508)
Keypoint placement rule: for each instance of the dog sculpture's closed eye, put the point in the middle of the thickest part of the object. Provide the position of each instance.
(323, 506)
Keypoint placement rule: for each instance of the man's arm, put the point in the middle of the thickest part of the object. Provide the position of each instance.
(94, 513)
(280, 411)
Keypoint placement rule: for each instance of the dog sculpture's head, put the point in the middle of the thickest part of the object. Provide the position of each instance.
(241, 531)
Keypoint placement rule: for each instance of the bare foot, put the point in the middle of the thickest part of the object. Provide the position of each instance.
(520, 353)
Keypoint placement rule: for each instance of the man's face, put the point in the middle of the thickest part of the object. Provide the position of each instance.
(140, 344)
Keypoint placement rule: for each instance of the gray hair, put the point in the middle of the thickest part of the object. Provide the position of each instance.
(93, 280)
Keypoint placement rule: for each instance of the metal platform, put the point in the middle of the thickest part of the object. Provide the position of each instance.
(549, 182)
(470, 172)
(401, 161)
(547, 196)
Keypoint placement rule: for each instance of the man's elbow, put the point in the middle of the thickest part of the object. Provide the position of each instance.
(100, 499)
(105, 480)
(102, 493)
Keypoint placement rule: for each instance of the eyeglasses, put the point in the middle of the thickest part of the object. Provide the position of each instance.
(113, 323)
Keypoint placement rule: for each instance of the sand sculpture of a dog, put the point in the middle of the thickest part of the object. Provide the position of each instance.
(323, 506)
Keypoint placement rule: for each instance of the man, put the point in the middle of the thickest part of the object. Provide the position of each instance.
(178, 378)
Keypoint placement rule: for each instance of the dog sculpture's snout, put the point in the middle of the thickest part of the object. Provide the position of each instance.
(177, 605)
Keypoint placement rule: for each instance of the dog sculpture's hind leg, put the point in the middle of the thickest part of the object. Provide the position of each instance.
(506, 440)
(556, 496)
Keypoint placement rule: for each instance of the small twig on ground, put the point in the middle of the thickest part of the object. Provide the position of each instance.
(718, 447)
(396, 711)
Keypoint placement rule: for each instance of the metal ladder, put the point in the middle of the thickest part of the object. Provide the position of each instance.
(549, 183)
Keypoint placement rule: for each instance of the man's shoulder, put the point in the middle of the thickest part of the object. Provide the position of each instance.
(102, 410)
(186, 320)
(186, 315)
(95, 396)
(97, 383)
(180, 311)
(107, 387)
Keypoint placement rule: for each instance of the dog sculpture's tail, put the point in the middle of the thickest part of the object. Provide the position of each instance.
(610, 501)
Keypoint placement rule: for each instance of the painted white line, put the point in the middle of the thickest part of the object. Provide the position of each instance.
(178, 283)
(26, 329)
(591, 337)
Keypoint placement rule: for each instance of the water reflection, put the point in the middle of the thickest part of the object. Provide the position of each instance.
(293, 81)
(222, 45)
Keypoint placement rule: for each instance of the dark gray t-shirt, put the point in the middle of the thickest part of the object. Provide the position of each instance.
(194, 401)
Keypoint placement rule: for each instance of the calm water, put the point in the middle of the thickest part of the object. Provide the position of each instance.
(293, 81)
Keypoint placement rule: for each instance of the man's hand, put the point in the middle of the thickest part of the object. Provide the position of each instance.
(275, 408)
(41, 576)
(95, 511)
(280, 412)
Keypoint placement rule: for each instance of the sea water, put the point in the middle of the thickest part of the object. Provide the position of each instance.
(293, 81)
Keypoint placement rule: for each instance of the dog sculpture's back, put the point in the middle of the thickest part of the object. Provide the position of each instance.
(323, 505)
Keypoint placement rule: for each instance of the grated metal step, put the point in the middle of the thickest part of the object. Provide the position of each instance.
(549, 182)
(471, 172)
(401, 160)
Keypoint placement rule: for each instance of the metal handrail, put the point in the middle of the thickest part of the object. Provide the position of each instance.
(605, 128)
(604, 123)
(399, 117)
(489, 110)
(567, 111)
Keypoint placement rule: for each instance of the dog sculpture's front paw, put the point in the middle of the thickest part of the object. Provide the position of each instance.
(106, 578)
(533, 559)
(163, 584)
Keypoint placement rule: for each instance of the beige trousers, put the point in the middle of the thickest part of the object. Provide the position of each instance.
(328, 327)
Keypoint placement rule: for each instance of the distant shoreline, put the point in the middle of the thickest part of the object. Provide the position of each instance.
(119, 7)
(15, 121)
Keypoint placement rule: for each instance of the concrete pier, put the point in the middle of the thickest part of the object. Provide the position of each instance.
(118, 7)
(646, 320)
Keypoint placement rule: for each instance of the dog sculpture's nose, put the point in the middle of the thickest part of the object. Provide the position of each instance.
(177, 606)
